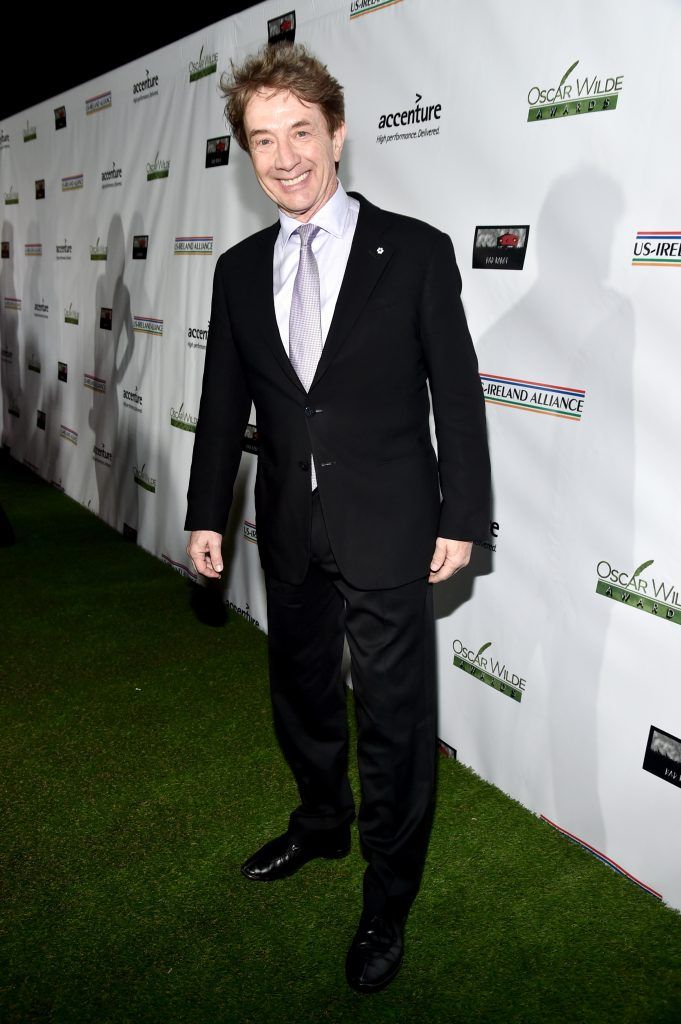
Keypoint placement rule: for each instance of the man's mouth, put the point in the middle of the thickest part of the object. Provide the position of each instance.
(287, 182)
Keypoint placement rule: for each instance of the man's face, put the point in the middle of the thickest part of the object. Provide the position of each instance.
(292, 151)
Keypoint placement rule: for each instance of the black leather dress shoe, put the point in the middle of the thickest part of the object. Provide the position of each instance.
(375, 956)
(283, 856)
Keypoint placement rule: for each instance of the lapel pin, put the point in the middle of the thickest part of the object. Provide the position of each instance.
(380, 250)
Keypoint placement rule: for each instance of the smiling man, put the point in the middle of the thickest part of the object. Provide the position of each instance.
(336, 322)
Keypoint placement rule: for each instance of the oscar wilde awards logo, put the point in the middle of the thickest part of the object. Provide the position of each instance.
(360, 7)
(489, 670)
(33, 361)
(71, 315)
(143, 480)
(207, 64)
(585, 96)
(550, 399)
(183, 420)
(11, 197)
(500, 248)
(30, 132)
(663, 756)
(657, 249)
(158, 168)
(102, 101)
(282, 29)
(654, 595)
(429, 113)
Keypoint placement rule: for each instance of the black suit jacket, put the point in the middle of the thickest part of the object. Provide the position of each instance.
(398, 326)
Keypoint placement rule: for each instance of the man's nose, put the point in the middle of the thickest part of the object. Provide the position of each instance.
(286, 157)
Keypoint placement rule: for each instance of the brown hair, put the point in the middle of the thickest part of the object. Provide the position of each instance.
(287, 67)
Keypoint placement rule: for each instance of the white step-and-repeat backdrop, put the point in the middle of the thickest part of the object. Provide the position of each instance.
(546, 143)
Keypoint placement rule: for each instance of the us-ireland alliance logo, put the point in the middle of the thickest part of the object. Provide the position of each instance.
(640, 589)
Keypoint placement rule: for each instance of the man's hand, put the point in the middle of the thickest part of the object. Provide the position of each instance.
(449, 556)
(205, 550)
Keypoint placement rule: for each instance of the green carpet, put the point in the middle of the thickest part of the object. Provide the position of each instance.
(138, 769)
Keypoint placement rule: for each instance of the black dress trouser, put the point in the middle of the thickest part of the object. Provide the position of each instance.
(391, 640)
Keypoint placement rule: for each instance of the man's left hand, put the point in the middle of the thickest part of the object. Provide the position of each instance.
(449, 556)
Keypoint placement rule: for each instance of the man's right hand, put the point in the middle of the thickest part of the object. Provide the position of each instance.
(205, 550)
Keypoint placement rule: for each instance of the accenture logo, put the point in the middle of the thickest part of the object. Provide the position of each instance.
(146, 88)
(112, 178)
(430, 113)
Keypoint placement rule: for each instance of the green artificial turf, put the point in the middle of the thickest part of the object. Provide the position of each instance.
(138, 769)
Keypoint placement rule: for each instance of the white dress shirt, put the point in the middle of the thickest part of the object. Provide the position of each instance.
(331, 248)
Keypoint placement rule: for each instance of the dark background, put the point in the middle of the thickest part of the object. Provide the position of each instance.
(46, 52)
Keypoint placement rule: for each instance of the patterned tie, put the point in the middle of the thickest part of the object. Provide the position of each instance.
(305, 324)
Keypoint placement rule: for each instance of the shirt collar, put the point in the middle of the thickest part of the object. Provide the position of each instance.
(332, 216)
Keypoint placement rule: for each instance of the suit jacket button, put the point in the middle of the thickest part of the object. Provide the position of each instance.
(304, 466)
(309, 411)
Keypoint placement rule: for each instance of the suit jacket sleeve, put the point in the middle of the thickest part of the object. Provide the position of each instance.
(223, 415)
(458, 401)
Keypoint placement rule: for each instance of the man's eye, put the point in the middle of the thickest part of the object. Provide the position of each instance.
(301, 132)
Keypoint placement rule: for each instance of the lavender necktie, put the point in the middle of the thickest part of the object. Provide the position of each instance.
(305, 324)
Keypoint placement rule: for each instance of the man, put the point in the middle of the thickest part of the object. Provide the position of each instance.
(334, 321)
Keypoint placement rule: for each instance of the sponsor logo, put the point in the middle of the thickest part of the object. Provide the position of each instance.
(94, 383)
(183, 420)
(97, 251)
(180, 567)
(62, 372)
(59, 118)
(96, 103)
(4, 139)
(657, 249)
(5, 250)
(6, 355)
(158, 169)
(663, 756)
(490, 545)
(489, 670)
(146, 88)
(282, 29)
(30, 465)
(360, 7)
(132, 399)
(244, 612)
(68, 434)
(194, 245)
(250, 442)
(549, 399)
(142, 479)
(72, 182)
(105, 318)
(445, 749)
(583, 96)
(30, 132)
(40, 188)
(41, 309)
(217, 151)
(64, 251)
(207, 64)
(500, 248)
(113, 177)
(140, 246)
(654, 595)
(33, 249)
(129, 533)
(147, 325)
(416, 115)
(57, 484)
(197, 337)
(250, 532)
(40, 419)
(11, 197)
(12, 302)
(33, 361)
(71, 315)
(101, 454)
(13, 406)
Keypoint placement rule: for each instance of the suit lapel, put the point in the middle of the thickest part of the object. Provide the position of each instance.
(370, 254)
(261, 282)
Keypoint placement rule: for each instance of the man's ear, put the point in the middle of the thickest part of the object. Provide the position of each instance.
(338, 140)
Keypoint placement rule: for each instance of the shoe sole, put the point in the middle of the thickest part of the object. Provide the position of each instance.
(368, 989)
